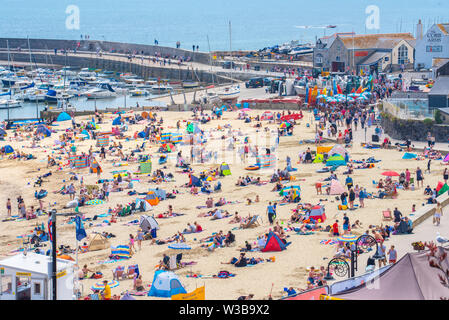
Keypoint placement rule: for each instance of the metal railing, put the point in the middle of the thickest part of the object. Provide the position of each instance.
(408, 109)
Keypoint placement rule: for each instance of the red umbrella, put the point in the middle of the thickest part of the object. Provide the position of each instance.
(390, 174)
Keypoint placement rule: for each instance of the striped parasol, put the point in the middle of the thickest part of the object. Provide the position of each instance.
(347, 238)
(100, 285)
(95, 202)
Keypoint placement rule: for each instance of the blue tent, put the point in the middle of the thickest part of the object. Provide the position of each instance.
(41, 129)
(165, 284)
(7, 149)
(63, 116)
(409, 155)
(141, 134)
(117, 121)
(84, 132)
(194, 181)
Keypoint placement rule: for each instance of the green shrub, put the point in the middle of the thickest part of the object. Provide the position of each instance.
(438, 119)
(428, 122)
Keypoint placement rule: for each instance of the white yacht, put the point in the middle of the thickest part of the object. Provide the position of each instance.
(102, 91)
(9, 104)
(229, 93)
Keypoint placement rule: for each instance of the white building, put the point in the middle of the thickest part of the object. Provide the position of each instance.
(432, 45)
(28, 277)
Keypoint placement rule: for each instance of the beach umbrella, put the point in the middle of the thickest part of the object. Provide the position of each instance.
(100, 285)
(169, 147)
(390, 174)
(179, 246)
(95, 202)
(347, 238)
(285, 124)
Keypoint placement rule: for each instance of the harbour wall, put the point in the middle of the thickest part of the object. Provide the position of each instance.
(106, 46)
(137, 68)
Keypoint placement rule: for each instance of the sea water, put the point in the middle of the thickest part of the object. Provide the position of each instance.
(255, 24)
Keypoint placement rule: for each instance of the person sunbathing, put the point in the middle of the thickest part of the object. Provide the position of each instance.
(236, 218)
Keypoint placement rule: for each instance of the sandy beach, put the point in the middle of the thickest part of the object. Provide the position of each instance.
(290, 266)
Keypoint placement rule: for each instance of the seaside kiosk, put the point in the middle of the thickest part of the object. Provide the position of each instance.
(28, 277)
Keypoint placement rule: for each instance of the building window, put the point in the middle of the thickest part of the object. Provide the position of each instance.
(319, 58)
(37, 289)
(403, 54)
(6, 285)
(434, 48)
(337, 58)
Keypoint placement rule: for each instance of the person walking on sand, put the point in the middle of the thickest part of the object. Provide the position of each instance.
(445, 175)
(8, 207)
(419, 177)
(139, 238)
(270, 212)
(438, 213)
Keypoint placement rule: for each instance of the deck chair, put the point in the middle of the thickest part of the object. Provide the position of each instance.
(386, 215)
(118, 273)
(132, 270)
(172, 263)
(94, 296)
(252, 223)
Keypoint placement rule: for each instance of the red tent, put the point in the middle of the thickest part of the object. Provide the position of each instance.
(274, 243)
(317, 213)
(439, 185)
(294, 116)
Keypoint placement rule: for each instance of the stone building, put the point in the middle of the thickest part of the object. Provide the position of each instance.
(372, 53)
(432, 46)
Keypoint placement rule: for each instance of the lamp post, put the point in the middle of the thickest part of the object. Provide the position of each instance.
(53, 260)
(341, 266)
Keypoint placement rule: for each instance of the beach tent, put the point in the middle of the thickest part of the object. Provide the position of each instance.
(103, 141)
(165, 284)
(151, 198)
(443, 189)
(446, 158)
(160, 193)
(411, 278)
(85, 133)
(317, 213)
(123, 252)
(117, 121)
(41, 129)
(194, 181)
(274, 243)
(266, 161)
(319, 158)
(168, 147)
(294, 116)
(147, 223)
(176, 138)
(267, 115)
(336, 160)
(193, 128)
(145, 167)
(141, 134)
(320, 150)
(337, 150)
(98, 242)
(7, 149)
(63, 116)
(165, 137)
(225, 170)
(409, 155)
(146, 205)
(336, 188)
